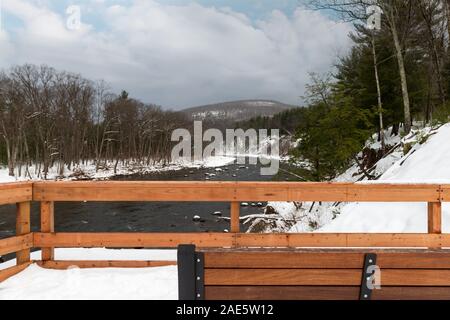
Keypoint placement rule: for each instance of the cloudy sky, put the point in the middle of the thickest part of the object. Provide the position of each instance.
(177, 53)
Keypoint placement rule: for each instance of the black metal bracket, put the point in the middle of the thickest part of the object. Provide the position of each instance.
(370, 260)
(191, 273)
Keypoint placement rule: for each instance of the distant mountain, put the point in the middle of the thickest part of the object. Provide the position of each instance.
(237, 110)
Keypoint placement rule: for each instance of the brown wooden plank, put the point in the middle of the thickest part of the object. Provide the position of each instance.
(216, 240)
(15, 192)
(134, 191)
(132, 240)
(281, 293)
(445, 193)
(434, 217)
(332, 277)
(332, 259)
(232, 191)
(65, 264)
(343, 240)
(23, 227)
(287, 260)
(415, 277)
(47, 225)
(322, 293)
(15, 244)
(283, 277)
(11, 271)
(235, 225)
(412, 293)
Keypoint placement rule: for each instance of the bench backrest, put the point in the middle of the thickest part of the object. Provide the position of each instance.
(271, 274)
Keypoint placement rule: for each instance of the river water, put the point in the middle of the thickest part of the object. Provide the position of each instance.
(145, 216)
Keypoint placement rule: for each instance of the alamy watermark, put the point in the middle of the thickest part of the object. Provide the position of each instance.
(373, 282)
(73, 21)
(374, 13)
(73, 14)
(250, 144)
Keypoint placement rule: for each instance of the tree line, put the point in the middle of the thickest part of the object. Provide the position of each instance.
(54, 118)
(392, 77)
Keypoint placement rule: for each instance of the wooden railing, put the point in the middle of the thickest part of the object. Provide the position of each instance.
(47, 193)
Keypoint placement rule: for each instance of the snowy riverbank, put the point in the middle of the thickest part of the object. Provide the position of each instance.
(421, 157)
(89, 172)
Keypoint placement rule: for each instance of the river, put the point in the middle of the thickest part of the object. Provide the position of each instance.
(146, 216)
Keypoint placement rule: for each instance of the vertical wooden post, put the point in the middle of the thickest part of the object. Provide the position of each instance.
(23, 227)
(234, 217)
(47, 225)
(434, 217)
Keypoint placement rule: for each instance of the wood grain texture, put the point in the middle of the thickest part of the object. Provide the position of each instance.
(23, 227)
(362, 240)
(233, 191)
(15, 192)
(11, 271)
(235, 224)
(228, 240)
(15, 244)
(325, 277)
(412, 293)
(131, 240)
(47, 225)
(434, 217)
(325, 260)
(322, 293)
(283, 277)
(84, 264)
(281, 293)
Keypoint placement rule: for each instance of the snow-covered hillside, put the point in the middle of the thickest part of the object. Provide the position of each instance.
(421, 157)
(237, 110)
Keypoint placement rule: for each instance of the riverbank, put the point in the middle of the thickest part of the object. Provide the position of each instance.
(89, 171)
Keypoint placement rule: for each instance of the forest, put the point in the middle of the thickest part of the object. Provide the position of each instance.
(51, 118)
(395, 77)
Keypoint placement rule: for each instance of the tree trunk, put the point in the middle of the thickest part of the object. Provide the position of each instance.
(447, 7)
(401, 69)
(380, 105)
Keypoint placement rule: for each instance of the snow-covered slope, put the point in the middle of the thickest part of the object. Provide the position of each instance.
(237, 110)
(428, 162)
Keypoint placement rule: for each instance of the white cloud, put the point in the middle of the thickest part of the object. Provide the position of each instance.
(180, 56)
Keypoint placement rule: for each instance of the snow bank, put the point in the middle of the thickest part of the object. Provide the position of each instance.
(89, 170)
(92, 284)
(159, 283)
(425, 163)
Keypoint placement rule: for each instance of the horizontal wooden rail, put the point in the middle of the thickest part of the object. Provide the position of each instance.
(49, 192)
(11, 193)
(316, 277)
(9, 272)
(236, 191)
(324, 259)
(131, 240)
(228, 240)
(16, 243)
(65, 264)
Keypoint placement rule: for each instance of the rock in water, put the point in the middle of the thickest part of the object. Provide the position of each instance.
(244, 204)
(217, 213)
(196, 218)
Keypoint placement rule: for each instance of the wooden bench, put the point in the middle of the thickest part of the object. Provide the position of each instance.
(313, 274)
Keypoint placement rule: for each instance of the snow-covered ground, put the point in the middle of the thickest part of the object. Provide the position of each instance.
(425, 163)
(427, 160)
(160, 283)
